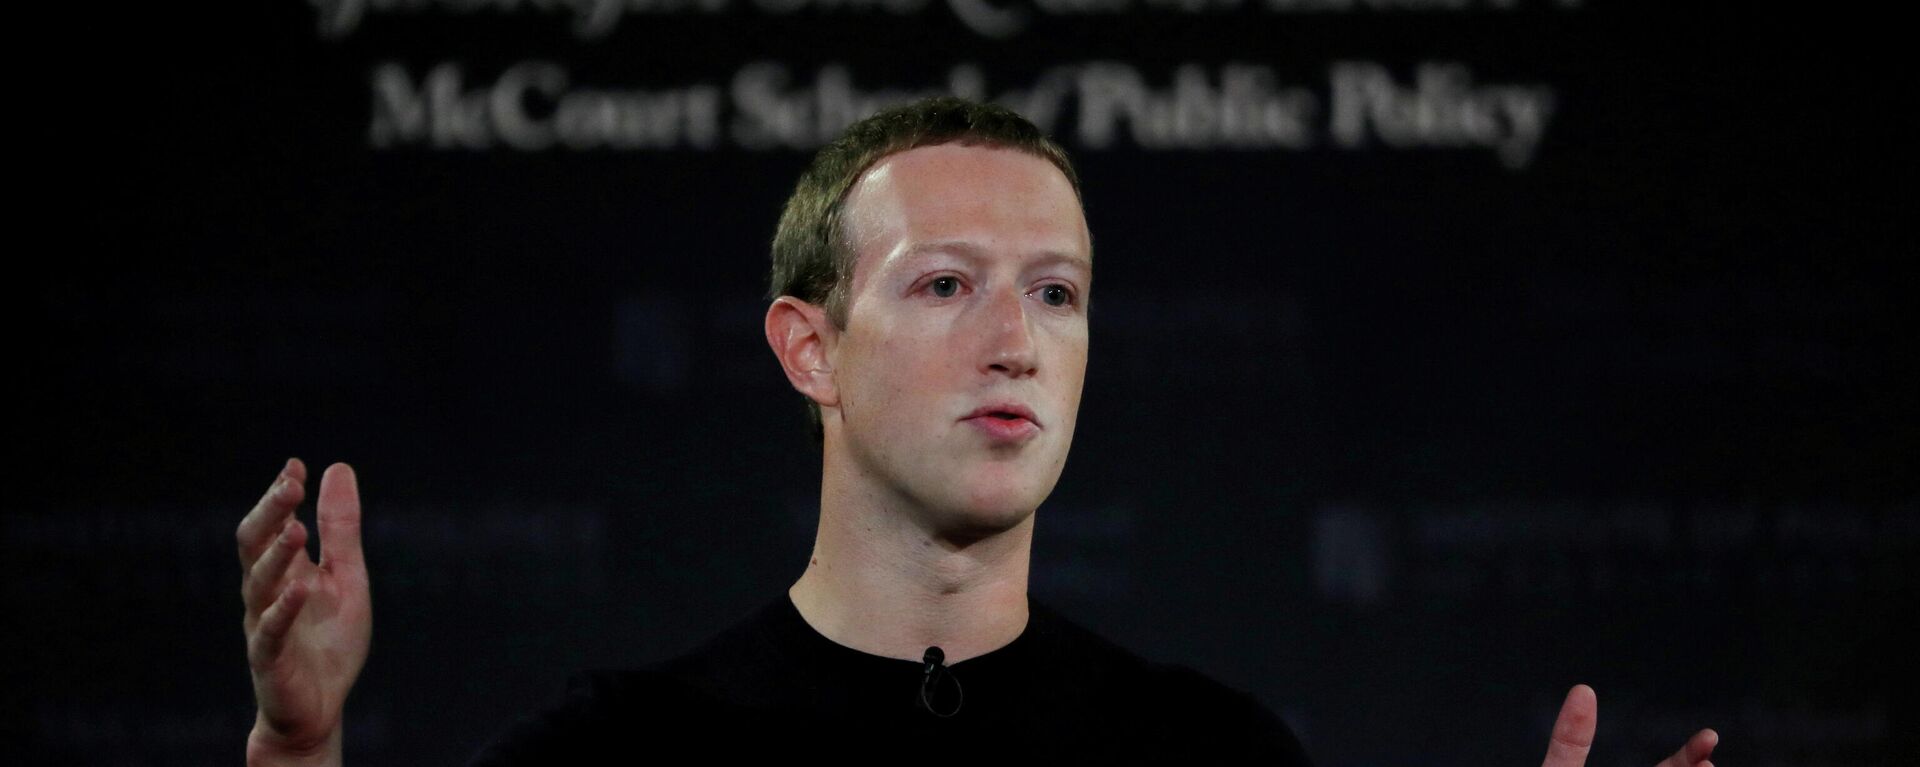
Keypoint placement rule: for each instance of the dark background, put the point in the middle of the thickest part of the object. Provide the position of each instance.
(1400, 437)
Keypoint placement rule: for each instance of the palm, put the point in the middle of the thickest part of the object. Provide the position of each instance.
(308, 625)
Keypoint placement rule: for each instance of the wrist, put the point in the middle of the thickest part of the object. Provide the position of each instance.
(266, 748)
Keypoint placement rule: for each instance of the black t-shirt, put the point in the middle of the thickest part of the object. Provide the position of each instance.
(771, 686)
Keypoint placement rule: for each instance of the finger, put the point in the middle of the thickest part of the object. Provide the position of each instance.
(257, 529)
(263, 581)
(1573, 729)
(1695, 751)
(272, 633)
(340, 519)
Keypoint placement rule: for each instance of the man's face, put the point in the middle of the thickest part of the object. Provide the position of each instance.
(969, 291)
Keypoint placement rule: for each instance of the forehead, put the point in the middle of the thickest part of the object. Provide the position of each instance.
(999, 202)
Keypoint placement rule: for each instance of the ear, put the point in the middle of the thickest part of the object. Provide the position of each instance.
(802, 339)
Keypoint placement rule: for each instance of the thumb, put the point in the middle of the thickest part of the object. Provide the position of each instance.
(1573, 729)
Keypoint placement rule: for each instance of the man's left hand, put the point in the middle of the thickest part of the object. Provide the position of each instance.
(1573, 735)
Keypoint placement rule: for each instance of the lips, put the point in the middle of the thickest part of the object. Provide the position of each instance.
(1004, 423)
(1005, 411)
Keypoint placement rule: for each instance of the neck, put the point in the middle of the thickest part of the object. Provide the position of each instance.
(881, 582)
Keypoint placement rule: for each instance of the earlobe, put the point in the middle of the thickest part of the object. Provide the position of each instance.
(802, 338)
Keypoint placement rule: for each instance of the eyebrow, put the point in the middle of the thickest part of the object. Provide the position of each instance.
(971, 252)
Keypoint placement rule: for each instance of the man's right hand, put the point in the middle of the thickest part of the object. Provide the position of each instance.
(308, 625)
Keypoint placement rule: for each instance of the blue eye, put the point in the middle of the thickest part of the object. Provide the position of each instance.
(952, 286)
(1057, 291)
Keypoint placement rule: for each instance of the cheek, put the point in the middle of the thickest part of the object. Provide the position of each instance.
(1071, 360)
(1073, 374)
(893, 377)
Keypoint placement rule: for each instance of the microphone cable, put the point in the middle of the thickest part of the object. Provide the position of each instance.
(937, 671)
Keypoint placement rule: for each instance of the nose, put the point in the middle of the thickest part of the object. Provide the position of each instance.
(1010, 348)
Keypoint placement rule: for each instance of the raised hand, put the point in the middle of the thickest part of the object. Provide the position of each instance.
(308, 625)
(1573, 735)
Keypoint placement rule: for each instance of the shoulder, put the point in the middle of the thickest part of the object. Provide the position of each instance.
(1081, 652)
(609, 716)
(610, 712)
(1177, 707)
(583, 725)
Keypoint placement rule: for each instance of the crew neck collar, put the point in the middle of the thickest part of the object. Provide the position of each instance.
(787, 614)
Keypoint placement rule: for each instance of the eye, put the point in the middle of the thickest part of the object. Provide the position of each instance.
(1056, 295)
(944, 287)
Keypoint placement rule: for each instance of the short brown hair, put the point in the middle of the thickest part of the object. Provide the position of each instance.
(812, 260)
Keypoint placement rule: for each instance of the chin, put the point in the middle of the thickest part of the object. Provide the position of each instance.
(982, 515)
(975, 525)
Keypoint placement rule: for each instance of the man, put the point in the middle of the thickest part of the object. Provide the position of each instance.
(932, 274)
